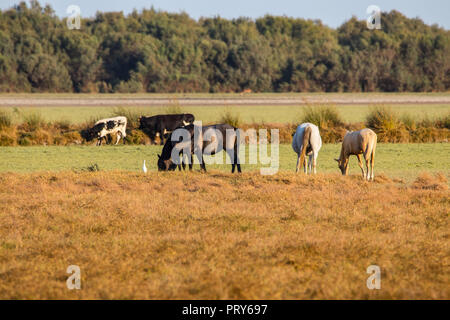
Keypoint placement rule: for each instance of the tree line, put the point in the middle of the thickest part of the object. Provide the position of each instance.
(157, 51)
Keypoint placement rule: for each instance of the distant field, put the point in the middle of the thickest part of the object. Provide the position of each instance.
(404, 161)
(248, 114)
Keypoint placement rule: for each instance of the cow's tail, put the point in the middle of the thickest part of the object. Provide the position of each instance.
(305, 143)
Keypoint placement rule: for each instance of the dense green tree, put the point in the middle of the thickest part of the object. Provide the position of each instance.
(155, 51)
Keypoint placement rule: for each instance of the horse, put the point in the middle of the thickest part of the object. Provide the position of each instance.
(307, 141)
(356, 143)
(212, 139)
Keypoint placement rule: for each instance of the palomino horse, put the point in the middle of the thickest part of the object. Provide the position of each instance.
(307, 141)
(203, 140)
(356, 143)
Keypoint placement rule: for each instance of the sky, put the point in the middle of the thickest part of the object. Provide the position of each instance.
(332, 12)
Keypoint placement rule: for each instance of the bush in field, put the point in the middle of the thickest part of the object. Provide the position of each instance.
(33, 120)
(443, 122)
(135, 136)
(387, 125)
(173, 108)
(231, 119)
(409, 122)
(322, 116)
(62, 124)
(5, 119)
(131, 115)
(8, 136)
(382, 118)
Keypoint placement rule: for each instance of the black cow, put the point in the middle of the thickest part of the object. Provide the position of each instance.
(163, 124)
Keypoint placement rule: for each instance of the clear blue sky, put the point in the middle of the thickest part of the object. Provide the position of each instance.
(331, 12)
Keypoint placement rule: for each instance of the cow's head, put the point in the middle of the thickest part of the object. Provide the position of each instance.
(165, 165)
(92, 133)
(88, 134)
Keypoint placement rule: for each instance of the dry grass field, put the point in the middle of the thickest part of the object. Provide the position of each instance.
(222, 236)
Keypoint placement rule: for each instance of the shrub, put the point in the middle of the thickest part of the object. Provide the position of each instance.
(62, 124)
(33, 120)
(173, 108)
(73, 137)
(409, 122)
(387, 125)
(131, 115)
(382, 118)
(8, 136)
(5, 119)
(136, 137)
(232, 120)
(443, 122)
(323, 116)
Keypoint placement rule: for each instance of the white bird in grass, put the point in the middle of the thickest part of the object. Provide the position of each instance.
(144, 168)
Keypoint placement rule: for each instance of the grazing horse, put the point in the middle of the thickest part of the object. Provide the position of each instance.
(356, 143)
(307, 141)
(212, 139)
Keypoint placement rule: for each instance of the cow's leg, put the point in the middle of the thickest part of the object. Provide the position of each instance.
(361, 165)
(161, 137)
(118, 137)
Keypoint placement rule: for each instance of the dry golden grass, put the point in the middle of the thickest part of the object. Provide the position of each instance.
(221, 236)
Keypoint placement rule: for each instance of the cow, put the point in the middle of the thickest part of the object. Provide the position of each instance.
(161, 125)
(356, 143)
(208, 139)
(103, 128)
(307, 141)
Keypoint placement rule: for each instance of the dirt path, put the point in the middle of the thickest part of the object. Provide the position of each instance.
(249, 100)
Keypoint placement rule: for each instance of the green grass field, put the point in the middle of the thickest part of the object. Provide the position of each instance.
(248, 114)
(404, 161)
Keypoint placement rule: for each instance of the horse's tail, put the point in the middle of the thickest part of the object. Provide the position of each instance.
(305, 143)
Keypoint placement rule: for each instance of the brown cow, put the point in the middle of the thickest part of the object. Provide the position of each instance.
(356, 143)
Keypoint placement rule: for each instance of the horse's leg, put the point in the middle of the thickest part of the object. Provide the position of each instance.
(203, 166)
(367, 166)
(298, 164)
(361, 165)
(236, 159)
(310, 167)
(305, 165)
(202, 162)
(191, 163)
(372, 161)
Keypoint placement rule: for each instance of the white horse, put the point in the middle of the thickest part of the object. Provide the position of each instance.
(307, 141)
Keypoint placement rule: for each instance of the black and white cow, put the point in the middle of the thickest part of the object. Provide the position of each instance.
(160, 125)
(103, 128)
